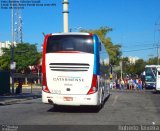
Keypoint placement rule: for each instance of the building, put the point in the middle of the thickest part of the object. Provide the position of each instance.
(5, 44)
(132, 60)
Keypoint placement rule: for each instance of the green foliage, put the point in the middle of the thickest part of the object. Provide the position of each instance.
(114, 53)
(113, 50)
(130, 68)
(152, 61)
(139, 66)
(5, 59)
(24, 55)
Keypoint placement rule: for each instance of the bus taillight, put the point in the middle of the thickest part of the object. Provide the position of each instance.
(94, 86)
(44, 83)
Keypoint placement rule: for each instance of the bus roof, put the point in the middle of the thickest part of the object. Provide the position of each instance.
(72, 33)
(152, 66)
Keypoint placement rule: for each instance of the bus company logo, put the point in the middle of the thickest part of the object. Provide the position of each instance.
(68, 79)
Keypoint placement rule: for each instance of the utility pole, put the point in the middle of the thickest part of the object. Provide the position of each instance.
(121, 65)
(157, 54)
(65, 15)
(12, 62)
(157, 36)
(17, 37)
(18, 23)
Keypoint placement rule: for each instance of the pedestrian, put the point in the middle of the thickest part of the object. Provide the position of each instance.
(111, 85)
(114, 85)
(135, 84)
(122, 84)
(130, 84)
(19, 87)
(125, 83)
(139, 85)
(117, 83)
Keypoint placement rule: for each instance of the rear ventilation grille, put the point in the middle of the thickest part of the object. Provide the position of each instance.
(69, 67)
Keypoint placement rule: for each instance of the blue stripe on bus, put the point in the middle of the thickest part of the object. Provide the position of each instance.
(96, 56)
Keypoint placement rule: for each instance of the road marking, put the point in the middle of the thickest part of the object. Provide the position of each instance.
(153, 123)
(115, 100)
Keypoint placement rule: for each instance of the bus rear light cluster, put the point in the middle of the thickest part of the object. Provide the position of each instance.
(44, 84)
(94, 86)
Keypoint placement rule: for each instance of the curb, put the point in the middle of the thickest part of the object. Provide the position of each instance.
(17, 99)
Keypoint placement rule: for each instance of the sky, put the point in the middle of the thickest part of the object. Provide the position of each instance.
(135, 23)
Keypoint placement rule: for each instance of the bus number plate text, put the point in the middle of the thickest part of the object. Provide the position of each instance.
(68, 98)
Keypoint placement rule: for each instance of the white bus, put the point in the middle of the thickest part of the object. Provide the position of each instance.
(152, 78)
(158, 79)
(74, 70)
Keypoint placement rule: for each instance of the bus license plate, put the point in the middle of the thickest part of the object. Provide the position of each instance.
(68, 98)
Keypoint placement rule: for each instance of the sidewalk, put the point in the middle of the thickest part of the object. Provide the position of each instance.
(17, 98)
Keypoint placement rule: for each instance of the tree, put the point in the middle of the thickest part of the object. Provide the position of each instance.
(133, 68)
(152, 61)
(24, 55)
(126, 65)
(139, 66)
(113, 50)
(5, 59)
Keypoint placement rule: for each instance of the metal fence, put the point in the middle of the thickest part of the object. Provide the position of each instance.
(28, 78)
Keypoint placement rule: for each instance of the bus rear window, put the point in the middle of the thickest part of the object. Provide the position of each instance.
(82, 43)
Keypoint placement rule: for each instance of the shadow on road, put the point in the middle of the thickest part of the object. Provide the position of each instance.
(155, 92)
(73, 109)
(77, 109)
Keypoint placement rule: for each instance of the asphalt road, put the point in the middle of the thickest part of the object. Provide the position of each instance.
(121, 108)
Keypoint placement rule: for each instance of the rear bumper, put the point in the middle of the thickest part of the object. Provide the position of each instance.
(73, 100)
(157, 88)
(150, 86)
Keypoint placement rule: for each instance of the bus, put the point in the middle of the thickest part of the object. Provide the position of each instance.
(151, 76)
(158, 79)
(75, 70)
